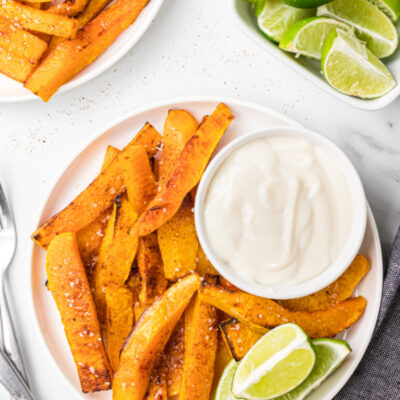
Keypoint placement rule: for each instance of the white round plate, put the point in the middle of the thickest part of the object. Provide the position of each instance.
(13, 91)
(84, 166)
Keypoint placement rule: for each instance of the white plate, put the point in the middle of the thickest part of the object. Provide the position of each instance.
(13, 91)
(241, 12)
(84, 166)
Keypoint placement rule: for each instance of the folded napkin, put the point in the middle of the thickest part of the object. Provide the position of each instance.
(378, 375)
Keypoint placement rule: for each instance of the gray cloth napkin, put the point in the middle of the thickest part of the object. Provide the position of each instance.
(378, 375)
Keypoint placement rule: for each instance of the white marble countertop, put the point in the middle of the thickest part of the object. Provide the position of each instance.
(192, 48)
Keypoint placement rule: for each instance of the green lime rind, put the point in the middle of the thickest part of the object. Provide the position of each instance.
(224, 388)
(274, 17)
(390, 7)
(330, 355)
(352, 69)
(371, 24)
(276, 364)
(306, 3)
(308, 36)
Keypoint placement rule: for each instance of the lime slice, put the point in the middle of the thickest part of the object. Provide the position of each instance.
(370, 23)
(352, 69)
(224, 388)
(390, 7)
(276, 364)
(274, 17)
(307, 36)
(306, 3)
(330, 354)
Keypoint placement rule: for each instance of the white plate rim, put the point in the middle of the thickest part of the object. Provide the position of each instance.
(171, 103)
(144, 23)
(273, 50)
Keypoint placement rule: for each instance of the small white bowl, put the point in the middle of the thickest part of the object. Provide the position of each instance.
(345, 257)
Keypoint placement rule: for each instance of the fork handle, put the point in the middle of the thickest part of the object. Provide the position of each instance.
(10, 344)
(12, 380)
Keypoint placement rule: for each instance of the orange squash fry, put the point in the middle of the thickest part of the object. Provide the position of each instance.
(20, 42)
(97, 197)
(36, 19)
(179, 127)
(178, 242)
(239, 337)
(201, 343)
(111, 154)
(71, 56)
(148, 339)
(265, 312)
(222, 359)
(190, 167)
(15, 67)
(337, 291)
(153, 282)
(157, 389)
(69, 7)
(69, 286)
(204, 266)
(120, 317)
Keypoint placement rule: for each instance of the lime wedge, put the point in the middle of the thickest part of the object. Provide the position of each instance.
(306, 3)
(370, 23)
(352, 69)
(330, 354)
(274, 17)
(224, 388)
(390, 7)
(276, 364)
(307, 36)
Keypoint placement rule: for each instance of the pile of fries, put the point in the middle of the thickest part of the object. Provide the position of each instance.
(144, 311)
(44, 45)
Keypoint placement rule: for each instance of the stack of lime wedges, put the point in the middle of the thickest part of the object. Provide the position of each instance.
(283, 365)
(348, 37)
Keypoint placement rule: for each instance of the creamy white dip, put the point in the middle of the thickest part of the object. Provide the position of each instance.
(278, 211)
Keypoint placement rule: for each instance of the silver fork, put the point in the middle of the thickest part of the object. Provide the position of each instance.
(12, 369)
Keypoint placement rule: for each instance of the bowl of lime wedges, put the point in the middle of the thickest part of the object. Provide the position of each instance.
(348, 48)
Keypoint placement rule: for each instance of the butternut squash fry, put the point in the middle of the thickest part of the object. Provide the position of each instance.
(178, 242)
(239, 337)
(148, 339)
(265, 312)
(201, 342)
(71, 56)
(20, 42)
(69, 7)
(179, 127)
(190, 167)
(204, 266)
(337, 291)
(98, 196)
(153, 282)
(15, 67)
(36, 19)
(120, 317)
(69, 286)
(222, 359)
(116, 253)
(111, 154)
(157, 389)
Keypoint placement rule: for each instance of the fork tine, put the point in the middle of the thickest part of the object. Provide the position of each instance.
(6, 219)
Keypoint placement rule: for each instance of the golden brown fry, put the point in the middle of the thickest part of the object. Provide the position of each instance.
(139, 310)
(116, 253)
(92, 10)
(69, 7)
(204, 266)
(153, 282)
(239, 337)
(178, 242)
(111, 154)
(201, 342)
(265, 312)
(71, 56)
(120, 318)
(222, 359)
(69, 286)
(139, 179)
(179, 127)
(157, 389)
(337, 291)
(36, 19)
(97, 197)
(148, 339)
(15, 67)
(21, 43)
(174, 354)
(190, 167)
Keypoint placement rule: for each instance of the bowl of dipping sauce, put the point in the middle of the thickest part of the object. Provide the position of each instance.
(281, 213)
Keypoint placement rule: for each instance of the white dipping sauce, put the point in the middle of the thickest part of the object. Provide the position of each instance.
(278, 211)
